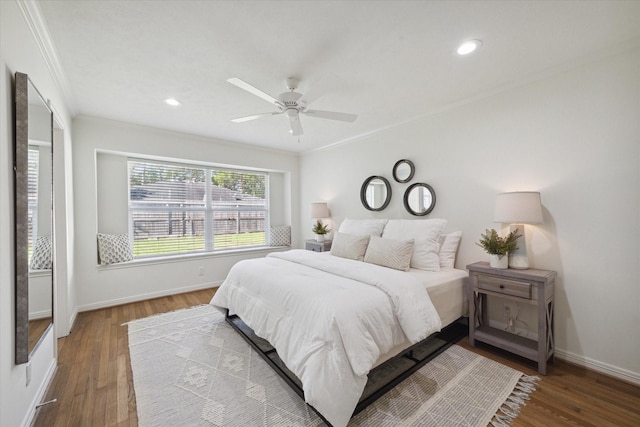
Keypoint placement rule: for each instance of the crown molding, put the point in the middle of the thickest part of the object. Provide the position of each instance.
(36, 23)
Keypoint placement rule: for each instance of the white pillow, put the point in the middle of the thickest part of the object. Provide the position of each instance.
(448, 247)
(349, 246)
(389, 253)
(425, 232)
(363, 227)
(114, 248)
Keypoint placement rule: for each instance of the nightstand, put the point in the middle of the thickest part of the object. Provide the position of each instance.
(534, 287)
(312, 245)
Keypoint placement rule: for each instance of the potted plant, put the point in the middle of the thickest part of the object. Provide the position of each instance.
(320, 230)
(498, 247)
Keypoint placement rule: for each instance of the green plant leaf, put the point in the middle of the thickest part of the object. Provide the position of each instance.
(320, 228)
(493, 244)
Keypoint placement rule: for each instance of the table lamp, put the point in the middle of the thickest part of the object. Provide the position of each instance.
(319, 210)
(517, 209)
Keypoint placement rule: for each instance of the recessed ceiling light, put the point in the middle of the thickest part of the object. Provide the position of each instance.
(173, 102)
(468, 47)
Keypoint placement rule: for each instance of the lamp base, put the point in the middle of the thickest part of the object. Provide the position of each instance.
(518, 259)
(519, 262)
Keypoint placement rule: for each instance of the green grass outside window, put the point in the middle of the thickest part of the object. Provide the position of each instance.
(173, 245)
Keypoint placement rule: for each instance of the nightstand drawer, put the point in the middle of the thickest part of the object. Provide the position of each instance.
(312, 245)
(503, 286)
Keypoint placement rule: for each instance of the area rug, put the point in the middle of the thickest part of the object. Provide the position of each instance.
(190, 368)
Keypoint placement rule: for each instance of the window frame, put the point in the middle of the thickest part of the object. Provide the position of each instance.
(208, 208)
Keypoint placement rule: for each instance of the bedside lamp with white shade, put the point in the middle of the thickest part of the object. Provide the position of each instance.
(517, 209)
(319, 210)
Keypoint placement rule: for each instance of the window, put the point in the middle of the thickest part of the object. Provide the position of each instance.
(177, 208)
(33, 162)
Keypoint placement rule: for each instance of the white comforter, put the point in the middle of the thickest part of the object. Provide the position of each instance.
(329, 318)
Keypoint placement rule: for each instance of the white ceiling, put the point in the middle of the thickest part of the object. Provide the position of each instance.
(387, 61)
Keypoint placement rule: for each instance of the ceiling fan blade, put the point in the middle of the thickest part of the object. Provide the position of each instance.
(253, 90)
(332, 115)
(296, 126)
(255, 116)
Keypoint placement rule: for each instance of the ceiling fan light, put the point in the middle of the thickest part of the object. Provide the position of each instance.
(292, 113)
(468, 47)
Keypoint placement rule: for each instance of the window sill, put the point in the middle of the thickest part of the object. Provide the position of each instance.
(40, 273)
(189, 257)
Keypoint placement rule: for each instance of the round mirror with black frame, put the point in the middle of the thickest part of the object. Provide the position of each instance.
(375, 193)
(419, 199)
(403, 170)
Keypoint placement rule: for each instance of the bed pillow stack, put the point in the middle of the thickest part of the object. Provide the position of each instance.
(363, 227)
(398, 243)
(426, 234)
(448, 248)
(390, 253)
(351, 246)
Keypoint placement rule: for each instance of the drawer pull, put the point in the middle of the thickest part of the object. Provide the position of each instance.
(516, 288)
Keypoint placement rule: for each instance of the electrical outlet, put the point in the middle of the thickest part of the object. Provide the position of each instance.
(511, 312)
(201, 271)
(513, 308)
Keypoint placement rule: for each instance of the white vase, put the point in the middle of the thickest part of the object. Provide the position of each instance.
(319, 237)
(499, 261)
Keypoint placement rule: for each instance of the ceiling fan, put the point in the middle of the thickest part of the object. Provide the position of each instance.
(289, 103)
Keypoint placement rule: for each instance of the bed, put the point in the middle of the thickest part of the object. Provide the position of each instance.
(332, 318)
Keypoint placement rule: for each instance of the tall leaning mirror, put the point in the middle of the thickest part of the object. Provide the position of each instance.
(33, 189)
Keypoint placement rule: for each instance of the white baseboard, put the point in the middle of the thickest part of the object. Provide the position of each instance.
(146, 296)
(576, 359)
(42, 390)
(601, 367)
(72, 319)
(37, 315)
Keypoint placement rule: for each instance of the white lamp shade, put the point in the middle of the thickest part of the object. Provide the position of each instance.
(319, 210)
(519, 207)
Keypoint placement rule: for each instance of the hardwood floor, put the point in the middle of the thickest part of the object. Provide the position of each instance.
(94, 387)
(93, 383)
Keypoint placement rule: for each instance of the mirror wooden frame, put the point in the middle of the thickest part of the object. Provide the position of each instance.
(24, 344)
(412, 170)
(407, 193)
(363, 193)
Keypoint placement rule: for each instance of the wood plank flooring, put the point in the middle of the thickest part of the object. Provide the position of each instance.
(94, 386)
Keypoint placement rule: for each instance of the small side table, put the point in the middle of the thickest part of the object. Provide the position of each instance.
(312, 245)
(532, 286)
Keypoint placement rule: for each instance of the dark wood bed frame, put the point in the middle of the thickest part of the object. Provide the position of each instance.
(381, 378)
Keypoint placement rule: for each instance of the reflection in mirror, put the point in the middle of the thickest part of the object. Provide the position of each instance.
(403, 170)
(375, 193)
(33, 217)
(419, 199)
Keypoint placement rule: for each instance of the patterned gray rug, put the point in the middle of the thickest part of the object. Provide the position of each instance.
(190, 368)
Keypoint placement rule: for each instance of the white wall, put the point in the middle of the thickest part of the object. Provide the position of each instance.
(20, 52)
(101, 286)
(574, 137)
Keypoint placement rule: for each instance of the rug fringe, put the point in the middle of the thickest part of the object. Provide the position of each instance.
(510, 409)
